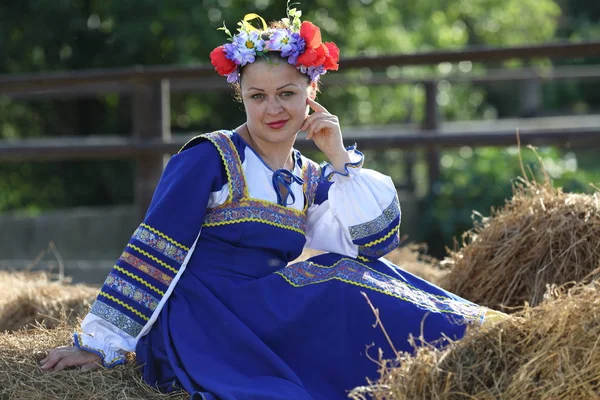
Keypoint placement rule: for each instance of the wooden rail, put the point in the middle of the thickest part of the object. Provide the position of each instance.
(61, 80)
(150, 88)
(119, 147)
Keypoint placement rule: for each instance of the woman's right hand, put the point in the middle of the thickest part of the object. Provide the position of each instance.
(69, 356)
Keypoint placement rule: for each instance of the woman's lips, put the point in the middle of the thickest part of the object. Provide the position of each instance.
(277, 124)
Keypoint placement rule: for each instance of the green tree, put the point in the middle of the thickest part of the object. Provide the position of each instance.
(43, 35)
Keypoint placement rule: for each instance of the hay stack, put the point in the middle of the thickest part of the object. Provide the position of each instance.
(541, 236)
(414, 259)
(31, 298)
(12, 283)
(21, 378)
(546, 352)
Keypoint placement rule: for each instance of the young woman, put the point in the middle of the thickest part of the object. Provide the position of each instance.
(203, 292)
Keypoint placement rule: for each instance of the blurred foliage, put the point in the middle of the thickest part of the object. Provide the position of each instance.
(473, 180)
(69, 35)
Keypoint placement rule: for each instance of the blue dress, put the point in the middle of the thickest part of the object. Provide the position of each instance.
(222, 313)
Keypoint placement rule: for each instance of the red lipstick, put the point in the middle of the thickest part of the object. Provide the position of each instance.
(277, 124)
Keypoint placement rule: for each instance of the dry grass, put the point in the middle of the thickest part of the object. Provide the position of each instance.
(545, 352)
(414, 259)
(541, 236)
(12, 283)
(32, 298)
(22, 379)
(33, 301)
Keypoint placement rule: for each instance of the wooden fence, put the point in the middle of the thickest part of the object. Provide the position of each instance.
(150, 88)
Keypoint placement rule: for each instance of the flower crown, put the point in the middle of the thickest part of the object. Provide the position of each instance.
(299, 42)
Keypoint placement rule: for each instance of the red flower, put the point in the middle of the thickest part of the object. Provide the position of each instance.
(317, 53)
(222, 64)
(332, 58)
(314, 53)
(311, 34)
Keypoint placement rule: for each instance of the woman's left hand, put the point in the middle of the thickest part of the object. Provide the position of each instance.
(324, 129)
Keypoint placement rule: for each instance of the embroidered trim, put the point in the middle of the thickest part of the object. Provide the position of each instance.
(231, 159)
(249, 210)
(164, 236)
(361, 231)
(263, 221)
(159, 244)
(383, 238)
(116, 318)
(357, 164)
(125, 305)
(119, 359)
(265, 203)
(352, 272)
(131, 291)
(137, 278)
(374, 253)
(146, 268)
(377, 272)
(150, 256)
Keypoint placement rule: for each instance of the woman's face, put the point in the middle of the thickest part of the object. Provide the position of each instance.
(274, 96)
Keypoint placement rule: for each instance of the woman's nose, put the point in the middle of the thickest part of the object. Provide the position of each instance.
(274, 107)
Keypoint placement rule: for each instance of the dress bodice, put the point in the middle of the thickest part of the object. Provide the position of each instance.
(255, 237)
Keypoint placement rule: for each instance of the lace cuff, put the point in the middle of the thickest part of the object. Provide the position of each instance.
(356, 162)
(110, 356)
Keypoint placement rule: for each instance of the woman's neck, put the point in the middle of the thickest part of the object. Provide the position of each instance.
(275, 155)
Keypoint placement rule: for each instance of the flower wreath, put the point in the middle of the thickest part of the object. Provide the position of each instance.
(299, 42)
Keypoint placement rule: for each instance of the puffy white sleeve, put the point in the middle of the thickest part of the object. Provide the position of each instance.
(355, 213)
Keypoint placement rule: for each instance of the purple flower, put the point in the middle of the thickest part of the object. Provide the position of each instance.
(294, 48)
(312, 72)
(279, 38)
(244, 47)
(255, 41)
(239, 54)
(233, 77)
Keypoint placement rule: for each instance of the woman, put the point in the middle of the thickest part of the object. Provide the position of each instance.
(203, 293)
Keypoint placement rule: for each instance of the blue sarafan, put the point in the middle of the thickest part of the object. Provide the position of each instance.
(205, 294)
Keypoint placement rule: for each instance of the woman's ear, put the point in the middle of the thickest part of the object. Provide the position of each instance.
(312, 90)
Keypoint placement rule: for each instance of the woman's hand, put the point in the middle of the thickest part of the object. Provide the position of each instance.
(324, 129)
(69, 356)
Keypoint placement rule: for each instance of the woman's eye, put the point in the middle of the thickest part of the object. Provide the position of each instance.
(257, 96)
(285, 94)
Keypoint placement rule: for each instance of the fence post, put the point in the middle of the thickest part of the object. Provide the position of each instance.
(432, 122)
(531, 98)
(151, 120)
(410, 156)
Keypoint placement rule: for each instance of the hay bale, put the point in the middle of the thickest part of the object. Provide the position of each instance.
(544, 352)
(541, 236)
(31, 298)
(22, 378)
(12, 283)
(413, 258)
(48, 306)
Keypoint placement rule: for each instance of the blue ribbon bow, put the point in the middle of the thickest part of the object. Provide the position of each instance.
(285, 178)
